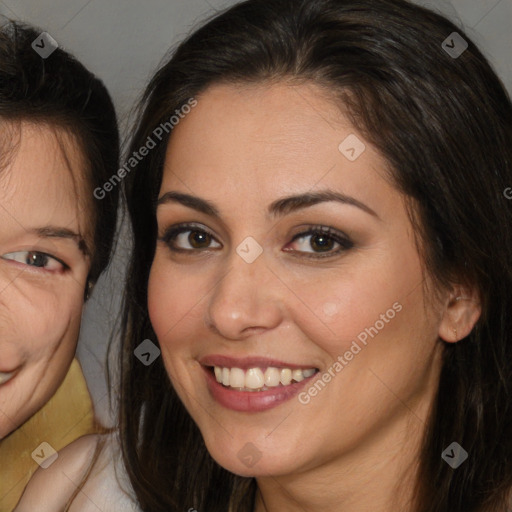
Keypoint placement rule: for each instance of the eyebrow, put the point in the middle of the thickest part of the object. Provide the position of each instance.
(62, 233)
(280, 207)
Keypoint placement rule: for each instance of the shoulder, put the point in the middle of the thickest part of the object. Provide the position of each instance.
(51, 487)
(96, 480)
(107, 487)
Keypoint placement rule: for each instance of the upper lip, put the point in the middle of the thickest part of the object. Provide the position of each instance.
(249, 362)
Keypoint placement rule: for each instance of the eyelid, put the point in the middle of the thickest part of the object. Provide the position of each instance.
(320, 228)
(184, 227)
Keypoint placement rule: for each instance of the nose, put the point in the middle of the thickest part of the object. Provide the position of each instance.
(246, 300)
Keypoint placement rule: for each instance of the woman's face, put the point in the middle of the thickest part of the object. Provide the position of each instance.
(43, 270)
(258, 295)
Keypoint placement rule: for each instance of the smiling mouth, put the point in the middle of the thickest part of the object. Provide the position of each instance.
(6, 377)
(260, 379)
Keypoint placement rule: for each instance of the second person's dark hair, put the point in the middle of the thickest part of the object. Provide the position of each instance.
(59, 91)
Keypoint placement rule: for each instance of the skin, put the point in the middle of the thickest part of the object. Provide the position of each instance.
(51, 489)
(242, 148)
(41, 298)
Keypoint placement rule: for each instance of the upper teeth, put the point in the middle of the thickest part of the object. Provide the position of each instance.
(256, 378)
(4, 377)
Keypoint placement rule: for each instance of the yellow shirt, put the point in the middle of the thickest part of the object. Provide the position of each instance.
(67, 416)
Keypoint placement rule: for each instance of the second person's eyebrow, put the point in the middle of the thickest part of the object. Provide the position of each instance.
(64, 233)
(279, 207)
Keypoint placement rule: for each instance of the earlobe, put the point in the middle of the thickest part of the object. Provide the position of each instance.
(461, 313)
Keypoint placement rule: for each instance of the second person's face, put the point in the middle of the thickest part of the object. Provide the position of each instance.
(44, 263)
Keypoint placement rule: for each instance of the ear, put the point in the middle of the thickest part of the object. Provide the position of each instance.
(461, 312)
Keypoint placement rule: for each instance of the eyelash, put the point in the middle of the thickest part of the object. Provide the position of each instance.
(345, 243)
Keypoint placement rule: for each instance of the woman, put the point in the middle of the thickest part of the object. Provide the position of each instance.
(59, 141)
(313, 318)
(313, 243)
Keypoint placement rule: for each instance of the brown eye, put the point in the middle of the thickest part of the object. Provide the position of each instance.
(322, 242)
(199, 239)
(186, 238)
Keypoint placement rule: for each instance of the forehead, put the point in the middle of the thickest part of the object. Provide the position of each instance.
(276, 139)
(258, 122)
(42, 176)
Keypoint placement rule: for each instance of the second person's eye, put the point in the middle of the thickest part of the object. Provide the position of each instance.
(36, 259)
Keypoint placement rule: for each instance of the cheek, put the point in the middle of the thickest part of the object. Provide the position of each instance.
(38, 322)
(174, 300)
(358, 302)
(174, 313)
(39, 330)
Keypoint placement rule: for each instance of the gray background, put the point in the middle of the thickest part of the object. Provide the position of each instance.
(123, 41)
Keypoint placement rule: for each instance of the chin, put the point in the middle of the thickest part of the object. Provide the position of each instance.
(251, 461)
(249, 470)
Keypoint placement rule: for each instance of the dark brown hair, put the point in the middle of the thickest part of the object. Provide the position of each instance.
(60, 92)
(444, 125)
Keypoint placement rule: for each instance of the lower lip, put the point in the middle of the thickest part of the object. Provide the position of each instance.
(251, 401)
